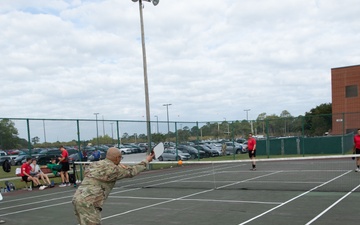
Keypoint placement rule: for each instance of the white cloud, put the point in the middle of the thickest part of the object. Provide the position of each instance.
(211, 60)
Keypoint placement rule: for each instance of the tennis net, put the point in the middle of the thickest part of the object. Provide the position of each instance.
(324, 173)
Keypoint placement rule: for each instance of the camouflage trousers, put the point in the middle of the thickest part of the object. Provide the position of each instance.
(87, 214)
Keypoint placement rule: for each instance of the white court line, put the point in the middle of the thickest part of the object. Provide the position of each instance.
(184, 173)
(38, 202)
(250, 179)
(54, 199)
(253, 181)
(37, 196)
(201, 174)
(32, 209)
(152, 205)
(296, 197)
(177, 199)
(198, 200)
(335, 203)
(286, 171)
(36, 208)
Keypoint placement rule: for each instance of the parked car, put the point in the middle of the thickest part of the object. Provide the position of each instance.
(13, 152)
(125, 150)
(214, 146)
(245, 146)
(193, 152)
(72, 151)
(240, 140)
(103, 148)
(134, 148)
(74, 158)
(208, 151)
(143, 147)
(45, 159)
(170, 155)
(19, 159)
(234, 148)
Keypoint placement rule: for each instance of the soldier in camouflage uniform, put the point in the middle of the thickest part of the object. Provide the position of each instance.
(100, 178)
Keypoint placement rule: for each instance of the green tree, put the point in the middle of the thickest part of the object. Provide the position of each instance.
(35, 140)
(158, 137)
(8, 134)
(286, 118)
(318, 120)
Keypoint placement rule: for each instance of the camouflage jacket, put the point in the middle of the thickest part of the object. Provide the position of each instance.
(100, 178)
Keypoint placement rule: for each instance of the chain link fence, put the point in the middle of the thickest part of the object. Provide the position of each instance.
(276, 136)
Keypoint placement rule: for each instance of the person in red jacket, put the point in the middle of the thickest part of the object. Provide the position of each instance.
(25, 173)
(252, 150)
(356, 149)
(63, 161)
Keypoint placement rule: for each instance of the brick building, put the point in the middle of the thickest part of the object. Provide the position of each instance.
(345, 82)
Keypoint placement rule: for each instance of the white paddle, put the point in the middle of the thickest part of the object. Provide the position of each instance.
(158, 150)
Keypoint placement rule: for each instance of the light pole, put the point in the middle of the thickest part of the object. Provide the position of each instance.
(112, 133)
(167, 112)
(247, 114)
(147, 104)
(228, 129)
(157, 124)
(103, 126)
(44, 131)
(97, 129)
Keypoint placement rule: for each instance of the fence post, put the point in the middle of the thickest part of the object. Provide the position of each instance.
(267, 145)
(176, 140)
(79, 153)
(233, 138)
(118, 134)
(303, 135)
(29, 140)
(197, 139)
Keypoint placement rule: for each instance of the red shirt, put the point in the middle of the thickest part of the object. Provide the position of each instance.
(357, 141)
(25, 168)
(251, 144)
(64, 154)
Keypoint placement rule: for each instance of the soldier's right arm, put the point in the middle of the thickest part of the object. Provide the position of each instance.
(131, 171)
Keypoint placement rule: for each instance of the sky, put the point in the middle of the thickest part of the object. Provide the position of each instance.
(210, 60)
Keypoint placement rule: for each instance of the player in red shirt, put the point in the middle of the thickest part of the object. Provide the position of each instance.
(25, 172)
(252, 150)
(63, 160)
(356, 149)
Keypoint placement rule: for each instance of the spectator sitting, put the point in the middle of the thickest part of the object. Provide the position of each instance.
(55, 168)
(25, 173)
(36, 171)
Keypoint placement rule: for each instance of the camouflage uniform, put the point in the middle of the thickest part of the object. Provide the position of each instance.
(100, 178)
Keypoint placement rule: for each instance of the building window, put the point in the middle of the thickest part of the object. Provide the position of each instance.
(351, 91)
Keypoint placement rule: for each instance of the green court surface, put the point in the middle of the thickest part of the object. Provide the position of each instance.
(321, 192)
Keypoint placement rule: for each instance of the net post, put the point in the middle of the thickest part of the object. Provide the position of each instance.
(213, 169)
(79, 148)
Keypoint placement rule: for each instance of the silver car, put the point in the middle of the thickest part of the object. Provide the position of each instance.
(170, 155)
(234, 148)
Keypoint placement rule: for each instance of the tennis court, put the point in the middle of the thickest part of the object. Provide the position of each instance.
(321, 191)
